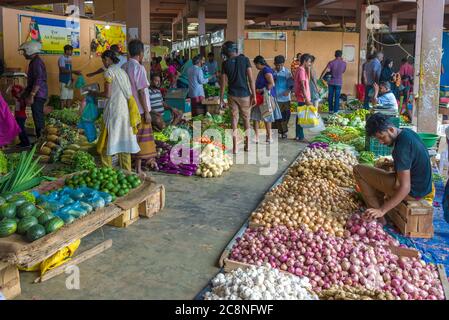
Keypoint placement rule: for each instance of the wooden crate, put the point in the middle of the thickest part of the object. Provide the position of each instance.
(9, 281)
(154, 203)
(414, 219)
(127, 218)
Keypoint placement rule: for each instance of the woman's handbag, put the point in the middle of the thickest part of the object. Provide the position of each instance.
(268, 104)
(308, 117)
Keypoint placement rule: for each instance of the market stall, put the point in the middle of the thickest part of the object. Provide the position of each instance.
(309, 227)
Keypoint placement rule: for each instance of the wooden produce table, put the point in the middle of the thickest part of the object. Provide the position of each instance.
(16, 251)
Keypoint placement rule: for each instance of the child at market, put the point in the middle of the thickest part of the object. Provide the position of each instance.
(20, 115)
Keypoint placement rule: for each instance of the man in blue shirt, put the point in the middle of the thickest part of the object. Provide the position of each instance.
(372, 72)
(196, 82)
(284, 85)
(386, 97)
(412, 179)
(212, 68)
(65, 77)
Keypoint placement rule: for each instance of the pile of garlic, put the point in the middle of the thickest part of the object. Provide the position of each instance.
(214, 162)
(260, 283)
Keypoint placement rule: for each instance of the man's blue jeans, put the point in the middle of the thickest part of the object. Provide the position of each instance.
(299, 129)
(334, 98)
(367, 96)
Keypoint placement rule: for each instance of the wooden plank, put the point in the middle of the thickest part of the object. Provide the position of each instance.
(154, 203)
(398, 221)
(421, 235)
(404, 252)
(412, 224)
(444, 280)
(420, 211)
(75, 261)
(30, 254)
(403, 211)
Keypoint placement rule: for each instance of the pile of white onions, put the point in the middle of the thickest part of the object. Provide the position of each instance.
(318, 204)
(330, 261)
(259, 283)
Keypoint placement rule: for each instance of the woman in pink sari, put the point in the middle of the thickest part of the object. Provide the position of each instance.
(9, 128)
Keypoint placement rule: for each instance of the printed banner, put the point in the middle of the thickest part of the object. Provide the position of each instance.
(106, 36)
(282, 36)
(54, 34)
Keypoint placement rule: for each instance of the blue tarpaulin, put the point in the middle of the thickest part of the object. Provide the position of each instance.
(434, 250)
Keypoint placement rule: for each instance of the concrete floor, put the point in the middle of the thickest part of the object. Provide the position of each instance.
(175, 254)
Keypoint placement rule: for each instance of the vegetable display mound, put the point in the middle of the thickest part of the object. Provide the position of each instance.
(330, 261)
(108, 180)
(214, 162)
(259, 283)
(332, 170)
(168, 156)
(314, 153)
(312, 205)
(67, 116)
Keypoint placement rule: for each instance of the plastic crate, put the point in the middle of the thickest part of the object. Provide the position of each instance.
(377, 148)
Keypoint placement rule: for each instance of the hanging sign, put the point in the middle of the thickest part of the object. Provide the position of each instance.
(280, 36)
(349, 52)
(54, 34)
(217, 37)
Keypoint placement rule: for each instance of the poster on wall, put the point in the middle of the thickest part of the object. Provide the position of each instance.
(54, 34)
(42, 7)
(106, 36)
(349, 52)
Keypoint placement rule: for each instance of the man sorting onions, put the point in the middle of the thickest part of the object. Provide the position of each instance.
(412, 176)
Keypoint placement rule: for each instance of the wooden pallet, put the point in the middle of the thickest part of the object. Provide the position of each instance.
(414, 219)
(9, 281)
(127, 218)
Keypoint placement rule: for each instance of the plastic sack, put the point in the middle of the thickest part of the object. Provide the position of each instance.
(320, 127)
(88, 118)
(59, 258)
(308, 117)
(80, 82)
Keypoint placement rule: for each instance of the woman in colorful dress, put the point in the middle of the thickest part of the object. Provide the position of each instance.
(264, 81)
(120, 118)
(9, 129)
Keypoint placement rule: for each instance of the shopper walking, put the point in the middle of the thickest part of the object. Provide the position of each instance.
(36, 91)
(302, 90)
(66, 73)
(265, 81)
(238, 75)
(284, 85)
(119, 129)
(336, 68)
(139, 85)
(196, 88)
(373, 70)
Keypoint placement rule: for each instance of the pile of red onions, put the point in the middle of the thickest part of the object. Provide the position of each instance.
(332, 261)
(369, 232)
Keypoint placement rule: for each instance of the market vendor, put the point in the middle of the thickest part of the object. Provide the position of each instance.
(384, 96)
(158, 106)
(412, 179)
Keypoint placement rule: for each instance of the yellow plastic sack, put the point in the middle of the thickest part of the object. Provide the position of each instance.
(134, 114)
(308, 117)
(59, 258)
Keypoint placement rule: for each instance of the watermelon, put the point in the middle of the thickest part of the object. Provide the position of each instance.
(38, 212)
(26, 209)
(7, 227)
(8, 211)
(25, 224)
(45, 217)
(35, 232)
(54, 225)
(18, 200)
(2, 201)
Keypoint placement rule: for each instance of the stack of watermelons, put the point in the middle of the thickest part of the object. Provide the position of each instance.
(17, 215)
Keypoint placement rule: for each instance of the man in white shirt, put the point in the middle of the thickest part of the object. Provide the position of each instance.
(386, 97)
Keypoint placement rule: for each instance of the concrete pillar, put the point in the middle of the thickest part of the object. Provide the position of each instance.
(80, 5)
(138, 19)
(363, 35)
(236, 22)
(161, 39)
(174, 32)
(185, 30)
(202, 27)
(429, 33)
(393, 25)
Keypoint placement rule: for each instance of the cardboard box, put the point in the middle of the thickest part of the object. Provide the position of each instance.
(9, 281)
